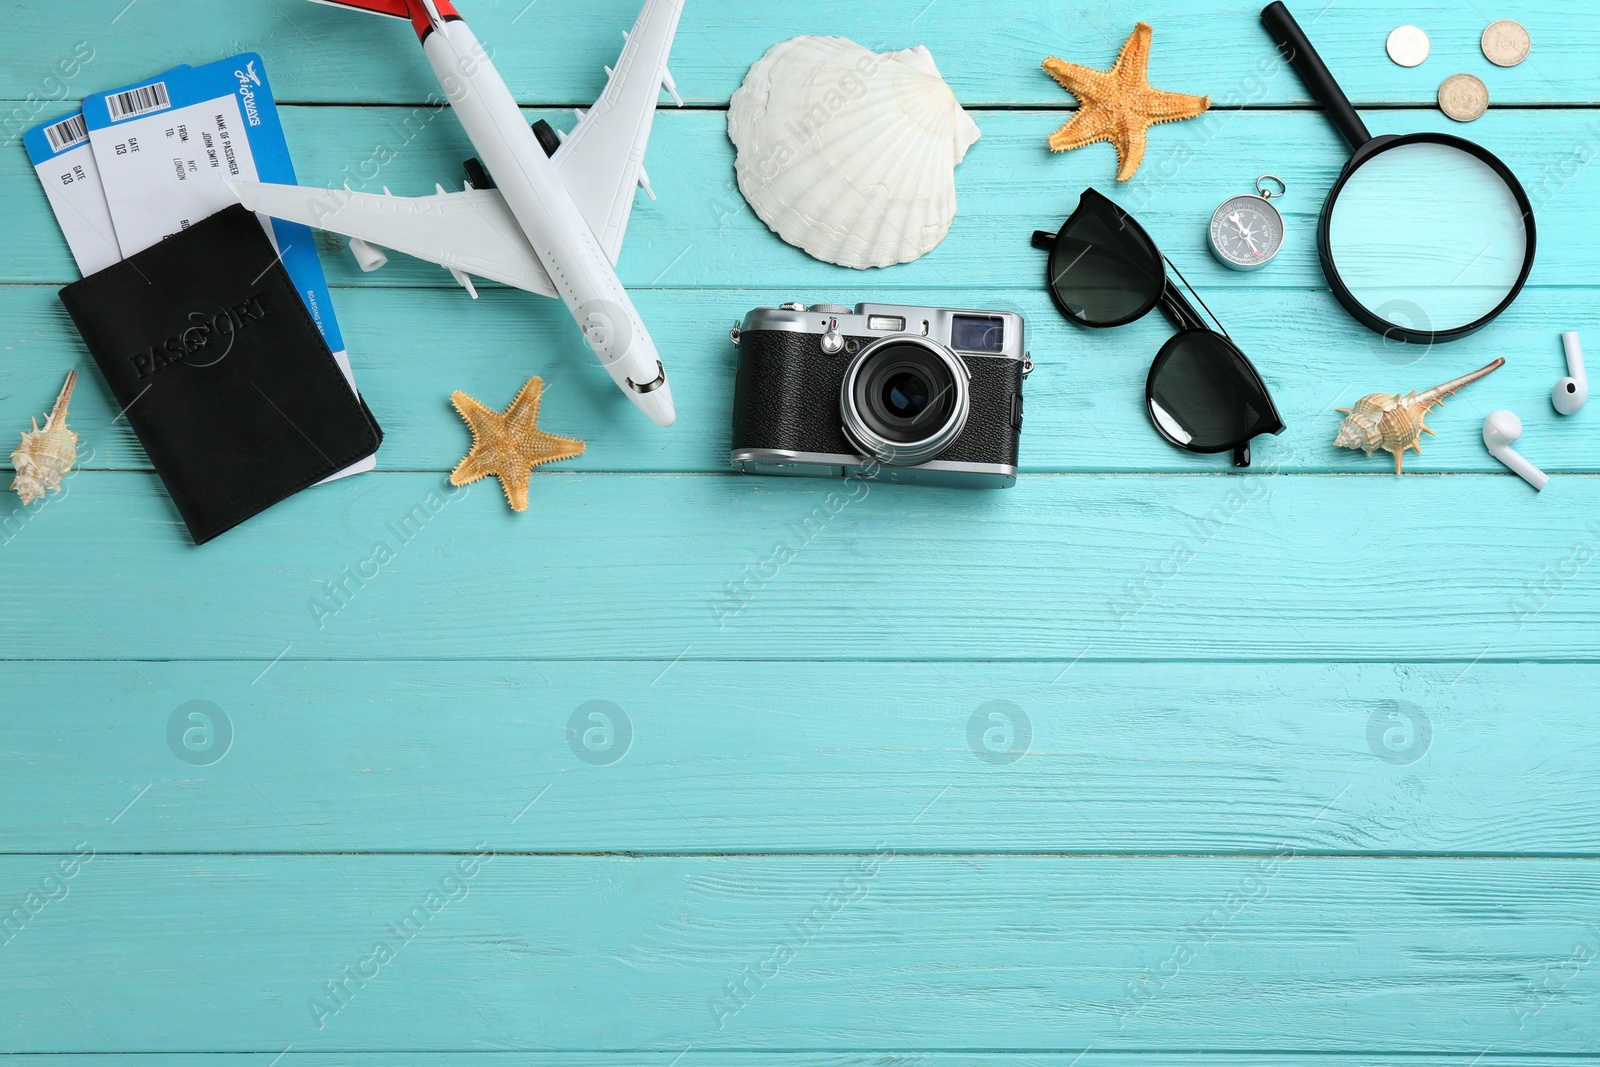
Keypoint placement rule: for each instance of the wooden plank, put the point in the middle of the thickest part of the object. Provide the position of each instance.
(696, 1058)
(875, 951)
(662, 568)
(700, 233)
(803, 757)
(1084, 404)
(969, 919)
(554, 53)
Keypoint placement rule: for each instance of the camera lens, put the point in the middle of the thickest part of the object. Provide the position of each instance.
(905, 394)
(904, 399)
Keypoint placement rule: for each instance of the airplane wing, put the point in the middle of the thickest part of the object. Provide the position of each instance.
(602, 160)
(471, 232)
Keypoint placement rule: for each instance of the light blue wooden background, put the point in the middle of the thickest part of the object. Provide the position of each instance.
(1313, 765)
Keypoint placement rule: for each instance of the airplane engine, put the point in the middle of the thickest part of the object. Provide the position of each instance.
(368, 257)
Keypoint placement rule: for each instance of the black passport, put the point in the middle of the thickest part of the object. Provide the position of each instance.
(221, 372)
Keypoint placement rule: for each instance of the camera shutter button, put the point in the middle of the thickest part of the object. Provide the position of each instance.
(832, 342)
(831, 309)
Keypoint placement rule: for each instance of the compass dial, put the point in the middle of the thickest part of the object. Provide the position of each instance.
(1246, 232)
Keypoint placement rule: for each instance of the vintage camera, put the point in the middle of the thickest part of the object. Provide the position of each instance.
(887, 391)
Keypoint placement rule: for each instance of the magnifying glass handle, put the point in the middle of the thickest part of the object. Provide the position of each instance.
(1296, 48)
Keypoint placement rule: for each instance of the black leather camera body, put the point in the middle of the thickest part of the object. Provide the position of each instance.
(889, 392)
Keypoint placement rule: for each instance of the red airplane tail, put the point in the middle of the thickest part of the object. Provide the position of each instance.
(411, 10)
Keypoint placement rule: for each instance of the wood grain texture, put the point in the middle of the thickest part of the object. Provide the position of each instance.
(811, 757)
(873, 951)
(1084, 403)
(553, 53)
(700, 233)
(1310, 763)
(742, 567)
(707, 1058)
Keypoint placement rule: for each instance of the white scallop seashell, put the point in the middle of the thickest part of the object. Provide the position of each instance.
(849, 154)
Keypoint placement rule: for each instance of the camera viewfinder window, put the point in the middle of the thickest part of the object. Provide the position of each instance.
(977, 333)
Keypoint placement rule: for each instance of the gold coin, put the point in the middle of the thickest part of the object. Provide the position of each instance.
(1506, 43)
(1463, 97)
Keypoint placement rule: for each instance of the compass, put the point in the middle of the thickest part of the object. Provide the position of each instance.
(1247, 231)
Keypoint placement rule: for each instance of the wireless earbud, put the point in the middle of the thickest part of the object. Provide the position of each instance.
(1571, 391)
(1499, 430)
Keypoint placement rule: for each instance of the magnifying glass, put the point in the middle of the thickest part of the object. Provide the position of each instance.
(1425, 237)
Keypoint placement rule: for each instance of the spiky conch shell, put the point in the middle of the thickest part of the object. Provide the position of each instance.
(1394, 422)
(48, 453)
(849, 154)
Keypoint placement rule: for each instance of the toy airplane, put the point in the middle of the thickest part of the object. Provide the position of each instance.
(547, 217)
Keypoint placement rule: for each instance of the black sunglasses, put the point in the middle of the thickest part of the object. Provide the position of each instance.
(1203, 395)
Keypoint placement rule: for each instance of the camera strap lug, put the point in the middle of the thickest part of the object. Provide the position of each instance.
(733, 334)
(1027, 363)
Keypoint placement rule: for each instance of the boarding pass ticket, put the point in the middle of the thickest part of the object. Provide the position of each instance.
(162, 149)
(66, 168)
(64, 162)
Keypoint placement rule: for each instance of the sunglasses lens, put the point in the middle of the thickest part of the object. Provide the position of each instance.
(1204, 396)
(1103, 270)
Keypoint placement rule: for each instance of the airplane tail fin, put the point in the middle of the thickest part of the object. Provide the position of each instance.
(392, 8)
(414, 11)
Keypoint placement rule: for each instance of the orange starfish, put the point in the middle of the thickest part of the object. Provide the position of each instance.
(1118, 105)
(509, 444)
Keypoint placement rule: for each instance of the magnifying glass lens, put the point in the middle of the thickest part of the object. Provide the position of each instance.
(1427, 237)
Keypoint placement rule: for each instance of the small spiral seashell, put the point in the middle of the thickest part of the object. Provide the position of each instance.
(46, 454)
(1394, 422)
(1360, 430)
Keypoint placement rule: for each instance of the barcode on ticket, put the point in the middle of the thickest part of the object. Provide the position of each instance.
(138, 101)
(66, 133)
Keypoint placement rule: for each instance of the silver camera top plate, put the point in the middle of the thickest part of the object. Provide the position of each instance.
(887, 320)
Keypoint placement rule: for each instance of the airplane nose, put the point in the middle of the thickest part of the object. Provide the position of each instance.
(654, 396)
(658, 405)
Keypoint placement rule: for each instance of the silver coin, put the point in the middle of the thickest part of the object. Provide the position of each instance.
(1408, 45)
(1463, 97)
(1506, 43)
